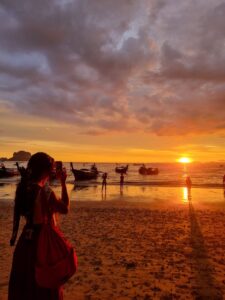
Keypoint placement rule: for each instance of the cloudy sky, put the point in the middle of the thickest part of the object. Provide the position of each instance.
(113, 80)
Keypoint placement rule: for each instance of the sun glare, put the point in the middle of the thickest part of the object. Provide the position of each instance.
(184, 160)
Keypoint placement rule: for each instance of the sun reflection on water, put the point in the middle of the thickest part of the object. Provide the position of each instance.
(185, 194)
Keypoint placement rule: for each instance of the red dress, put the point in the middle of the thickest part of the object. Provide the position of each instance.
(22, 284)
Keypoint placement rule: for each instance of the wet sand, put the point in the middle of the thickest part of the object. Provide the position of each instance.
(129, 250)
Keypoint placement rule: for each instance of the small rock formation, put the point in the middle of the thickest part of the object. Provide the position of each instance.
(20, 156)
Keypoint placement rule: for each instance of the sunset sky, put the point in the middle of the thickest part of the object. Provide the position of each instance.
(113, 80)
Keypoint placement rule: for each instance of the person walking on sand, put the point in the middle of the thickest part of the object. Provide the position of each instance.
(104, 181)
(31, 193)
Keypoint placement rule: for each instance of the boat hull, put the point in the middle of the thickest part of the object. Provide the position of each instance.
(8, 173)
(80, 175)
(121, 170)
(148, 171)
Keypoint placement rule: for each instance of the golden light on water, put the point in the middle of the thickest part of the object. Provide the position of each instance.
(185, 194)
(184, 160)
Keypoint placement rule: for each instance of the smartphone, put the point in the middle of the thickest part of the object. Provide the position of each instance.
(58, 166)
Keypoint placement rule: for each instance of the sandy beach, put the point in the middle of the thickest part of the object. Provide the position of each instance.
(137, 251)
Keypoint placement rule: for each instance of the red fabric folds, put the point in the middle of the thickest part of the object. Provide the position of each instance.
(56, 260)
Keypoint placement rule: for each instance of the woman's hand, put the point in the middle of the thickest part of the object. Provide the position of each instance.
(62, 175)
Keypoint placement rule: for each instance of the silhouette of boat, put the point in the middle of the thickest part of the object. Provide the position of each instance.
(148, 171)
(121, 170)
(83, 174)
(8, 172)
(94, 169)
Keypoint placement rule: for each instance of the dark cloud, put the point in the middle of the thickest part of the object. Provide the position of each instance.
(116, 66)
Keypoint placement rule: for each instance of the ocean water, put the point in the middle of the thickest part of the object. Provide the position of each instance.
(168, 185)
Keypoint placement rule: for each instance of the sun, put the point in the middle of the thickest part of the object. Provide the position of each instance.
(184, 160)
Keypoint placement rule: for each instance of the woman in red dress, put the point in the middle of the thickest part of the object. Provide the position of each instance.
(28, 203)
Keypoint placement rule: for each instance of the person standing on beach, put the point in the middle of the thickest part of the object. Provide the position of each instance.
(188, 182)
(31, 193)
(121, 180)
(104, 181)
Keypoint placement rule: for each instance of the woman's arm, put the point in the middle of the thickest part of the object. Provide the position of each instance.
(61, 205)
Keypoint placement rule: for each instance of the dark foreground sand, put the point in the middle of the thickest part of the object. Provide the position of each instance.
(129, 251)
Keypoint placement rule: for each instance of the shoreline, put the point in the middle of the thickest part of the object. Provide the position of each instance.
(91, 183)
(137, 251)
(131, 193)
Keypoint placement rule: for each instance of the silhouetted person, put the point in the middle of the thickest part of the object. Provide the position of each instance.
(188, 182)
(94, 168)
(38, 204)
(104, 181)
(121, 180)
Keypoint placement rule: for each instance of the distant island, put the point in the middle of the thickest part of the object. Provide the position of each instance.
(18, 156)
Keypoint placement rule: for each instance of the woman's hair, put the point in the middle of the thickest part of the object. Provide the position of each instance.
(39, 166)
